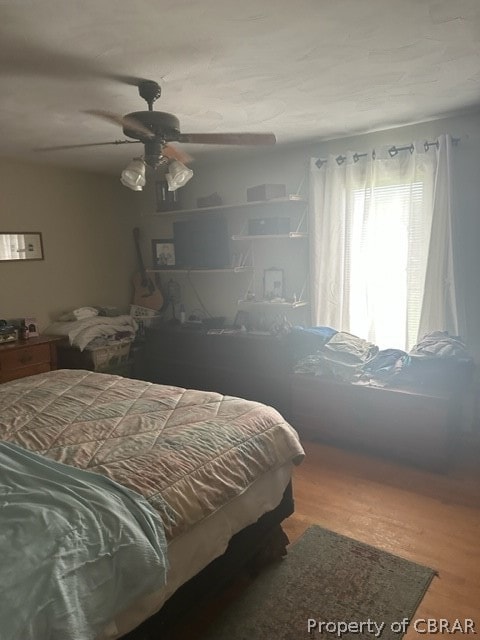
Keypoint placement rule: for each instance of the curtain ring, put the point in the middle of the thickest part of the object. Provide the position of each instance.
(393, 151)
(340, 160)
(411, 148)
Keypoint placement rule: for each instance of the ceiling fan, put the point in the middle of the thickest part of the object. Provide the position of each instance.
(157, 129)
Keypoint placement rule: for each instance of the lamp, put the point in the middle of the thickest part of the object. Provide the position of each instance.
(133, 176)
(178, 175)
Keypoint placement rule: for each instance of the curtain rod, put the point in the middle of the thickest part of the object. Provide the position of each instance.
(393, 151)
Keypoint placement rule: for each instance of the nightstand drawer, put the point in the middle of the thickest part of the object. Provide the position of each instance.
(23, 372)
(24, 357)
(27, 358)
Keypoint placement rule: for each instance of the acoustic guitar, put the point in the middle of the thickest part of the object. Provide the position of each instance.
(146, 291)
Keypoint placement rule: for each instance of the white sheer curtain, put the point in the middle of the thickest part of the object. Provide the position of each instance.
(381, 244)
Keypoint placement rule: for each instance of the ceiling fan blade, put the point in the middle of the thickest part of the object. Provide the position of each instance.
(174, 153)
(134, 81)
(228, 138)
(88, 144)
(123, 121)
(21, 54)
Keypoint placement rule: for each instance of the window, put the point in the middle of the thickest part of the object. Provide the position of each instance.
(381, 257)
(386, 261)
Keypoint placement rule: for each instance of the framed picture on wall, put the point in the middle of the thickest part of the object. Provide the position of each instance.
(21, 246)
(163, 253)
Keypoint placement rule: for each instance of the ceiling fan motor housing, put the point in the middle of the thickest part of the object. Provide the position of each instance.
(164, 126)
(153, 155)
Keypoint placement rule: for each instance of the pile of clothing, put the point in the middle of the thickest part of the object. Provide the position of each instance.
(439, 362)
(341, 357)
(440, 343)
(93, 327)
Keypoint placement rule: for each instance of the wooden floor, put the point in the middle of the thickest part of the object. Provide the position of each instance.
(432, 519)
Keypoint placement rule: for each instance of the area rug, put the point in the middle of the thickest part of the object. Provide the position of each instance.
(328, 586)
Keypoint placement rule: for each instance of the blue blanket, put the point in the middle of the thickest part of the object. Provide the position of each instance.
(75, 549)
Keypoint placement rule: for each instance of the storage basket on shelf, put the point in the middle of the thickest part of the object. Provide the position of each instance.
(143, 317)
(111, 356)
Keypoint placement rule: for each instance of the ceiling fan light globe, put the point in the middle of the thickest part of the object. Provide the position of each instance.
(178, 175)
(130, 186)
(133, 176)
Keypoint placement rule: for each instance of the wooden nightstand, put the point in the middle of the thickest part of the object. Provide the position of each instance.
(28, 357)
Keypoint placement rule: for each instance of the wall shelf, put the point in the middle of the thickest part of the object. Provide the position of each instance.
(226, 270)
(290, 235)
(269, 303)
(239, 205)
(300, 232)
(296, 207)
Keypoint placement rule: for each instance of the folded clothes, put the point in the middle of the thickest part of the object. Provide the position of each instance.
(349, 349)
(79, 314)
(341, 358)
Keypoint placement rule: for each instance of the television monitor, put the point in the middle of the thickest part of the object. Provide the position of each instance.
(202, 243)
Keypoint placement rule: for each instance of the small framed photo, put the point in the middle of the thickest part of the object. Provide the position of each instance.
(273, 284)
(163, 253)
(31, 324)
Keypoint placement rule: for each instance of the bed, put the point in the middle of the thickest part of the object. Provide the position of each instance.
(212, 471)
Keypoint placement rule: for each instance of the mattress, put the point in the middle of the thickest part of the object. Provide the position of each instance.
(190, 553)
(197, 457)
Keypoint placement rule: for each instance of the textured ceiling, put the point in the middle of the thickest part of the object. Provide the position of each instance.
(306, 70)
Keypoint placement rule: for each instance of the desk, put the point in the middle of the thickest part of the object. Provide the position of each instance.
(245, 365)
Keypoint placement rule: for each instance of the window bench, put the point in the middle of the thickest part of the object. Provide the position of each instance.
(420, 428)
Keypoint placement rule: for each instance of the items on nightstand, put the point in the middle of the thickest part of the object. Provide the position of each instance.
(31, 323)
(8, 333)
(24, 333)
(18, 328)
